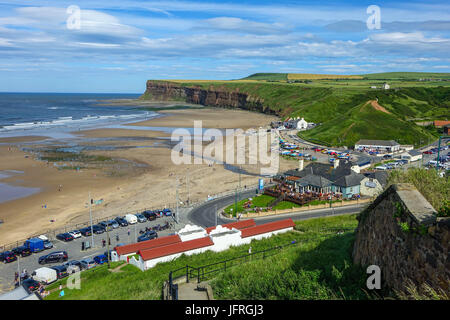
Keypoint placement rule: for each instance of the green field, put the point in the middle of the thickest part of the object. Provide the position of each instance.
(338, 105)
(318, 267)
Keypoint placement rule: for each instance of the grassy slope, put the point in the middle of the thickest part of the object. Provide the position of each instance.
(318, 267)
(336, 104)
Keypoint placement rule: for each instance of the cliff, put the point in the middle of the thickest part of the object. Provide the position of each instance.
(400, 233)
(212, 96)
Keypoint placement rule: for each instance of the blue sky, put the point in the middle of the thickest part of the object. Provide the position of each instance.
(122, 43)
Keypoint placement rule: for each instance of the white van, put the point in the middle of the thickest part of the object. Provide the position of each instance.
(131, 218)
(45, 275)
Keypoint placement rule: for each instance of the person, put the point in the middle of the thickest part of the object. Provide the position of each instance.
(117, 237)
(109, 241)
(128, 231)
(103, 242)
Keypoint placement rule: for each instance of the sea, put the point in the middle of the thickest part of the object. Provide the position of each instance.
(55, 115)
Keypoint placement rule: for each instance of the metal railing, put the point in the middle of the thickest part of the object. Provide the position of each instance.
(170, 289)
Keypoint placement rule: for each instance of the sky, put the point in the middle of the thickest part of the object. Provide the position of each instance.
(114, 46)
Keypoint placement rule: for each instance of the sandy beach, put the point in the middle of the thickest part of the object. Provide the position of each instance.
(137, 174)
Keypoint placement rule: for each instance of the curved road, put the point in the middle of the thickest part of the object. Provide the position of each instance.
(205, 214)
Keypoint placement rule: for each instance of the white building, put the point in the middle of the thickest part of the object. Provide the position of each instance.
(217, 239)
(377, 145)
(302, 124)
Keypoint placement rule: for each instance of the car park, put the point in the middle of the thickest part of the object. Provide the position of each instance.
(48, 244)
(73, 266)
(150, 215)
(30, 285)
(88, 263)
(149, 235)
(61, 271)
(22, 251)
(121, 221)
(75, 234)
(131, 218)
(98, 229)
(86, 231)
(8, 257)
(44, 275)
(100, 259)
(57, 256)
(140, 218)
(64, 237)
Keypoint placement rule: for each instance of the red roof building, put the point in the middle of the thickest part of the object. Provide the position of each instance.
(268, 227)
(441, 123)
(163, 251)
(154, 243)
(237, 225)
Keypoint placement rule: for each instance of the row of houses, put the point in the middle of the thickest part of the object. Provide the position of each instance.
(293, 123)
(193, 239)
(343, 177)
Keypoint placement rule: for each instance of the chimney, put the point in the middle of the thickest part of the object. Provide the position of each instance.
(300, 165)
(336, 163)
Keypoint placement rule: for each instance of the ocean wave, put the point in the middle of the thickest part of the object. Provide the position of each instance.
(86, 121)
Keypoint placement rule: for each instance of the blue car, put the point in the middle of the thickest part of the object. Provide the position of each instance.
(100, 259)
(167, 212)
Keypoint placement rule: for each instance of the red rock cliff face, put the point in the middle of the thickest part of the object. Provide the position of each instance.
(167, 91)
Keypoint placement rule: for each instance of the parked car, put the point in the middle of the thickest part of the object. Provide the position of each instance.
(98, 229)
(61, 271)
(150, 215)
(35, 244)
(45, 275)
(131, 218)
(73, 266)
(48, 244)
(121, 221)
(88, 263)
(30, 285)
(86, 231)
(114, 224)
(100, 259)
(22, 251)
(141, 218)
(57, 256)
(75, 234)
(167, 212)
(8, 257)
(149, 235)
(64, 237)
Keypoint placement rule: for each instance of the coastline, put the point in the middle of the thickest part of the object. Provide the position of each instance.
(142, 174)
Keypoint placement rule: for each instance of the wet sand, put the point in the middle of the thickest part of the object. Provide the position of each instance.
(150, 184)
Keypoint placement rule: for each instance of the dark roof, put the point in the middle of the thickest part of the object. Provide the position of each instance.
(350, 180)
(315, 181)
(381, 176)
(377, 142)
(268, 227)
(414, 153)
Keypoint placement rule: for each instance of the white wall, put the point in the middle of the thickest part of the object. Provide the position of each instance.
(191, 232)
(367, 191)
(223, 241)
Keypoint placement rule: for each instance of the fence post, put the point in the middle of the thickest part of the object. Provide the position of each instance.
(187, 274)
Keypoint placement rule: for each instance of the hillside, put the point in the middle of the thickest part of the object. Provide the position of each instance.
(337, 104)
(318, 266)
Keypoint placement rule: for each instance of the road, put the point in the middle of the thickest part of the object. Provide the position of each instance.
(205, 214)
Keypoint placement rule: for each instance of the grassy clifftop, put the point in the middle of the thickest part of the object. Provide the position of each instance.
(343, 106)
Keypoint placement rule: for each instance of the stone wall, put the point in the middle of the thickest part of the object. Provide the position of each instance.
(400, 233)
